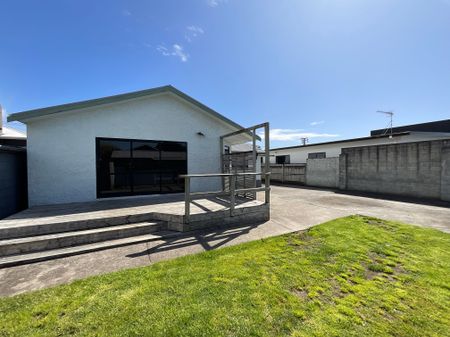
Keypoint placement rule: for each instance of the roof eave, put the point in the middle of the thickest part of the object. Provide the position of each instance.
(25, 116)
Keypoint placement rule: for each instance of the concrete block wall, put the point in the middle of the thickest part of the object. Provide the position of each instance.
(323, 172)
(445, 173)
(418, 169)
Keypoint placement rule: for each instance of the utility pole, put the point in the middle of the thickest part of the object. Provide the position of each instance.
(304, 140)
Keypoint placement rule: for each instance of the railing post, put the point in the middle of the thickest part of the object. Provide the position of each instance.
(267, 191)
(232, 194)
(187, 199)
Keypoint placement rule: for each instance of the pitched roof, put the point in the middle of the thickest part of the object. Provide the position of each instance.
(29, 114)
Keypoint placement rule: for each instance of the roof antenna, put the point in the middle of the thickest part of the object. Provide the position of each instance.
(390, 114)
(304, 140)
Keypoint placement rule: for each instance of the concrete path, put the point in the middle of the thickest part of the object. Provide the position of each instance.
(293, 209)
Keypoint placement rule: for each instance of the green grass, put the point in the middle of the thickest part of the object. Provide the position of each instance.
(354, 276)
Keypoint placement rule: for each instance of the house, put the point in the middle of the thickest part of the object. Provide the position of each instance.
(403, 134)
(13, 189)
(130, 144)
(9, 136)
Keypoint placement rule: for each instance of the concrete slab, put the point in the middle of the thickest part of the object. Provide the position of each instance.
(293, 209)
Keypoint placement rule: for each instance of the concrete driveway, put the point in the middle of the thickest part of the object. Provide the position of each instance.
(301, 207)
(293, 209)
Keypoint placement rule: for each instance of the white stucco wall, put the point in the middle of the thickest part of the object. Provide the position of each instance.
(300, 154)
(61, 147)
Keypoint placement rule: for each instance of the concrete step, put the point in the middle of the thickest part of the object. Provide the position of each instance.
(67, 239)
(11, 228)
(19, 259)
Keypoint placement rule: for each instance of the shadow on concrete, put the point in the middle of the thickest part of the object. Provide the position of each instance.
(208, 239)
(372, 195)
(117, 204)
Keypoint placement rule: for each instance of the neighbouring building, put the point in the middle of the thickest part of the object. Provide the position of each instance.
(130, 144)
(13, 170)
(10, 136)
(403, 134)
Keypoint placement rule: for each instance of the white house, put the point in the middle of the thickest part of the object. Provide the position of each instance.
(129, 144)
(10, 136)
(403, 134)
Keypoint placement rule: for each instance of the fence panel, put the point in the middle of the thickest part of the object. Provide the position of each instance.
(288, 173)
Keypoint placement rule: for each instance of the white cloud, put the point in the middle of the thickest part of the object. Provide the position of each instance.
(175, 50)
(126, 12)
(289, 135)
(215, 3)
(193, 32)
(316, 123)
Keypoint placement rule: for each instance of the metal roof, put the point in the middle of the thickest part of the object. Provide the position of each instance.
(9, 133)
(436, 126)
(340, 141)
(48, 111)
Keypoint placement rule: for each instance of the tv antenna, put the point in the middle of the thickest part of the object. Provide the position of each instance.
(388, 128)
(304, 140)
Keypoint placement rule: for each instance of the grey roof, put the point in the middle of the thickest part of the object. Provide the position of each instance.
(26, 115)
(436, 126)
(341, 141)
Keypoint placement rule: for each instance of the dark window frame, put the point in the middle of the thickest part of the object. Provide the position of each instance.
(317, 155)
(101, 195)
(286, 159)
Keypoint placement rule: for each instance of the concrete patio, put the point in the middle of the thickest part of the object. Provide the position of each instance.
(46, 232)
(292, 209)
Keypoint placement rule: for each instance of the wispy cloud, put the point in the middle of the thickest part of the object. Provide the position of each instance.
(192, 32)
(316, 123)
(176, 50)
(289, 135)
(126, 12)
(215, 3)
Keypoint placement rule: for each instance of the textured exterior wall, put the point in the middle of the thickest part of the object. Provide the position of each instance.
(411, 169)
(13, 193)
(323, 172)
(61, 148)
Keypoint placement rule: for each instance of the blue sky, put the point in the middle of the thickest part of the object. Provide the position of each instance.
(311, 67)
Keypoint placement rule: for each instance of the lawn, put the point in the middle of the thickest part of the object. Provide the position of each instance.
(355, 276)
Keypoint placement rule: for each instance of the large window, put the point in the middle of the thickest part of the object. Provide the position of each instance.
(133, 167)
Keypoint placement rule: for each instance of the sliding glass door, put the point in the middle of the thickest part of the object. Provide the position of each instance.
(134, 167)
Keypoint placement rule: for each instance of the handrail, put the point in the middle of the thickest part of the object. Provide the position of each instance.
(188, 196)
(206, 175)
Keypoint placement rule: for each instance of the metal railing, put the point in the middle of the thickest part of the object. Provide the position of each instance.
(189, 196)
